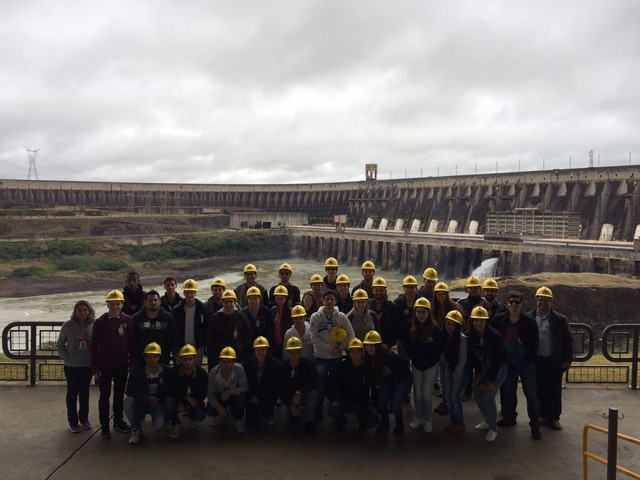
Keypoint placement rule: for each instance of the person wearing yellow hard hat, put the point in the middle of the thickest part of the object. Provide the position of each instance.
(362, 319)
(331, 270)
(389, 318)
(214, 302)
(281, 314)
(309, 302)
(133, 293)
(343, 298)
(145, 392)
(74, 348)
(152, 323)
(112, 355)
(491, 303)
(228, 328)
(171, 298)
(317, 287)
(404, 303)
(555, 352)
(368, 270)
(263, 372)
(185, 387)
(260, 317)
(300, 329)
(391, 381)
(520, 334)
(327, 351)
(453, 372)
(423, 341)
(443, 304)
(191, 318)
(487, 358)
(250, 273)
(228, 386)
(298, 386)
(348, 390)
(285, 272)
(474, 295)
(430, 276)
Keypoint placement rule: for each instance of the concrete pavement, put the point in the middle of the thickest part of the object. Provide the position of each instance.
(35, 444)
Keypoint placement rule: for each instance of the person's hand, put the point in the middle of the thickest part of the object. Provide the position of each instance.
(191, 401)
(253, 400)
(153, 400)
(295, 411)
(335, 403)
(490, 387)
(336, 351)
(223, 412)
(297, 397)
(98, 375)
(225, 395)
(386, 371)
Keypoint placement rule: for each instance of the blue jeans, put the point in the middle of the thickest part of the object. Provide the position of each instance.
(487, 401)
(452, 390)
(323, 366)
(527, 373)
(390, 397)
(423, 381)
(78, 383)
(196, 413)
(310, 400)
(136, 412)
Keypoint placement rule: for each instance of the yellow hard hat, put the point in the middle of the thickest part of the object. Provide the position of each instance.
(409, 280)
(294, 343)
(489, 284)
(455, 316)
(187, 350)
(152, 348)
(338, 335)
(360, 294)
(422, 303)
(260, 342)
(372, 338)
(430, 274)
(315, 278)
(368, 265)
(285, 266)
(473, 282)
(479, 313)
(219, 283)
(330, 262)
(251, 291)
(281, 290)
(441, 287)
(355, 343)
(343, 279)
(227, 352)
(229, 294)
(190, 284)
(115, 295)
(250, 267)
(544, 292)
(298, 311)
(379, 282)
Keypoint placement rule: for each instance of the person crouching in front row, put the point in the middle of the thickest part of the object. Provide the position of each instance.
(227, 388)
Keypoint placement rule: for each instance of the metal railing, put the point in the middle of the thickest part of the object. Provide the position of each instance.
(620, 344)
(613, 436)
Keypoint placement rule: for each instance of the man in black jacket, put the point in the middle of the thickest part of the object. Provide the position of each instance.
(154, 324)
(191, 320)
(555, 352)
(520, 335)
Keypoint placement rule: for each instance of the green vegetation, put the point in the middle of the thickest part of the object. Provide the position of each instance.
(25, 272)
(33, 250)
(89, 264)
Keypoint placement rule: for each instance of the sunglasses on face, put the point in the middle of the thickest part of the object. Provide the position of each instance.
(514, 301)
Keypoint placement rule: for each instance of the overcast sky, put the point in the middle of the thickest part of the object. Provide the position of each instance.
(311, 91)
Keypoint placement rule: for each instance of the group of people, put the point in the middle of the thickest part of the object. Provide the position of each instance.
(280, 353)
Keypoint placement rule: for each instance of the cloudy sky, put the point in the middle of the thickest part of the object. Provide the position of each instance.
(311, 91)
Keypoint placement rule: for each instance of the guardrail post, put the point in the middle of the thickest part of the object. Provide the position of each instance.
(612, 444)
(32, 360)
(634, 361)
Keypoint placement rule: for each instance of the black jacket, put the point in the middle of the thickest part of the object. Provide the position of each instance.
(487, 358)
(292, 299)
(561, 338)
(262, 324)
(303, 378)
(133, 302)
(390, 321)
(527, 331)
(163, 330)
(348, 382)
(138, 384)
(425, 354)
(200, 325)
(384, 360)
(177, 384)
(266, 385)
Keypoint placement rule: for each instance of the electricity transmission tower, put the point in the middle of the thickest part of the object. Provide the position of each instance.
(32, 155)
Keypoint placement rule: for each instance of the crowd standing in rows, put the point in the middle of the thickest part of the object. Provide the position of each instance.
(279, 354)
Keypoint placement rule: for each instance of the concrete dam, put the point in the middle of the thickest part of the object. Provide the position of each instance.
(503, 211)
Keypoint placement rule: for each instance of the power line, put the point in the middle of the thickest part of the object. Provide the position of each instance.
(32, 155)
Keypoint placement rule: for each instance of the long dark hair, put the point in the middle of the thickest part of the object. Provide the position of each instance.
(420, 332)
(92, 313)
(452, 347)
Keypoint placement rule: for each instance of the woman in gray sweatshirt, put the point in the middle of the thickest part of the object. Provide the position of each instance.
(74, 347)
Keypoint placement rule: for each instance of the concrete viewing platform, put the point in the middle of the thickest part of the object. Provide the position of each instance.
(36, 444)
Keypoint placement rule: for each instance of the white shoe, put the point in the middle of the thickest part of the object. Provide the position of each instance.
(428, 428)
(175, 431)
(136, 436)
(215, 421)
(193, 424)
(491, 436)
(415, 423)
(239, 424)
(482, 426)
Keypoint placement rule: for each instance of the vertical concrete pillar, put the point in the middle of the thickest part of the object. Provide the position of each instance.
(433, 226)
(399, 224)
(606, 233)
(415, 225)
(453, 226)
(473, 227)
(384, 261)
(368, 224)
(383, 224)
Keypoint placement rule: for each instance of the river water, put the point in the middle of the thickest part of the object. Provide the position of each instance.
(59, 306)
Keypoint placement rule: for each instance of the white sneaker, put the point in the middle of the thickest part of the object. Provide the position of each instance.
(491, 436)
(415, 423)
(175, 431)
(215, 421)
(482, 426)
(136, 436)
(428, 428)
(239, 424)
(193, 424)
